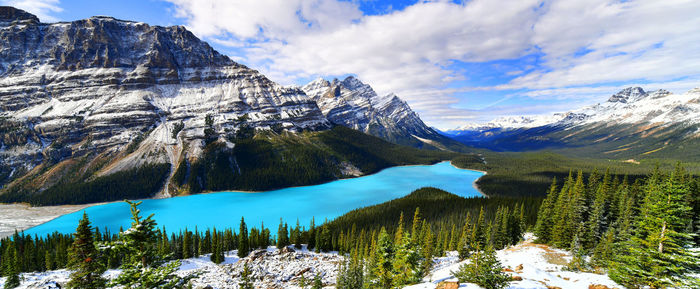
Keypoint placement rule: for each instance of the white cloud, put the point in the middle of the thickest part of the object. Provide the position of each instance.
(263, 19)
(586, 46)
(41, 8)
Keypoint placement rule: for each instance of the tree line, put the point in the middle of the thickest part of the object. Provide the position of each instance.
(641, 233)
(413, 242)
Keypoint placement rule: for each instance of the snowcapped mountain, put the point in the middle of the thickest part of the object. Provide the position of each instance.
(98, 101)
(632, 123)
(93, 87)
(509, 122)
(356, 105)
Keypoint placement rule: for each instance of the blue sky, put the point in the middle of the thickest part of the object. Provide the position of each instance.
(454, 62)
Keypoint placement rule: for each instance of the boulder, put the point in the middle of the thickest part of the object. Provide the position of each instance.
(598, 286)
(519, 268)
(447, 285)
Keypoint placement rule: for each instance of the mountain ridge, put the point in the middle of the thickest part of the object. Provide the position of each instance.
(88, 102)
(632, 123)
(356, 105)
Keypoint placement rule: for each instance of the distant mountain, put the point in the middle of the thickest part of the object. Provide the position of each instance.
(632, 124)
(354, 104)
(110, 108)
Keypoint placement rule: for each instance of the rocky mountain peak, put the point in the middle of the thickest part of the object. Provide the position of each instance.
(353, 83)
(11, 14)
(95, 87)
(628, 95)
(659, 93)
(355, 104)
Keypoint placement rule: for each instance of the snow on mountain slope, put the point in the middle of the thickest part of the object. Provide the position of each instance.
(354, 104)
(629, 106)
(632, 123)
(94, 86)
(510, 122)
(633, 105)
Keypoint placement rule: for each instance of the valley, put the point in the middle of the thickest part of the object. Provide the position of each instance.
(135, 155)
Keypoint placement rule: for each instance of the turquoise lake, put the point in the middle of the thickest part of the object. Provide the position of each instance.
(224, 209)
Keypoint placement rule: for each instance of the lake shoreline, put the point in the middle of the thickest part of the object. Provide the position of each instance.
(54, 212)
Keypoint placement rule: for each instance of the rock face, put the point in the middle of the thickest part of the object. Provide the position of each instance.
(93, 87)
(354, 104)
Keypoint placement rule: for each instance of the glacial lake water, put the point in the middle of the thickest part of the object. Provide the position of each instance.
(224, 209)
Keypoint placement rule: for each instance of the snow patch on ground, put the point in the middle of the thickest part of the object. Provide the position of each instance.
(542, 266)
(273, 268)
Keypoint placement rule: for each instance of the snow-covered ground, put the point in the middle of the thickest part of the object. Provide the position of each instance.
(538, 265)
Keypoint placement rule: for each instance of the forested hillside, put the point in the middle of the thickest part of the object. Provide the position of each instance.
(640, 232)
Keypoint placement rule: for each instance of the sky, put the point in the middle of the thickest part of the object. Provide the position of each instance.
(454, 62)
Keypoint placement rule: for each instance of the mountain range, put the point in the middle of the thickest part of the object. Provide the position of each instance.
(84, 100)
(631, 124)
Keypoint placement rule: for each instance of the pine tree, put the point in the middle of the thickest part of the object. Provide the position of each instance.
(350, 274)
(325, 238)
(303, 282)
(186, 250)
(311, 242)
(415, 226)
(85, 259)
(454, 238)
(318, 283)
(217, 255)
(243, 243)
(573, 214)
(578, 260)
(560, 211)
(143, 267)
(479, 232)
(484, 270)
(598, 219)
(466, 242)
(603, 252)
(381, 265)
(658, 254)
(282, 239)
(427, 250)
(406, 268)
(11, 270)
(399, 230)
(545, 216)
(245, 283)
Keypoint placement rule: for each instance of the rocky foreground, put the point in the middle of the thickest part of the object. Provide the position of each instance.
(533, 266)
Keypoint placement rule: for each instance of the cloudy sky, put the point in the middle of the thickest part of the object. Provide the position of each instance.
(455, 62)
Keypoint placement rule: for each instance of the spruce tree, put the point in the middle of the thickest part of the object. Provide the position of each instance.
(243, 243)
(282, 239)
(545, 216)
(246, 282)
(350, 275)
(454, 238)
(479, 232)
(399, 230)
(484, 269)
(85, 259)
(381, 274)
(143, 267)
(415, 226)
(318, 283)
(658, 254)
(11, 270)
(427, 249)
(406, 262)
(186, 249)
